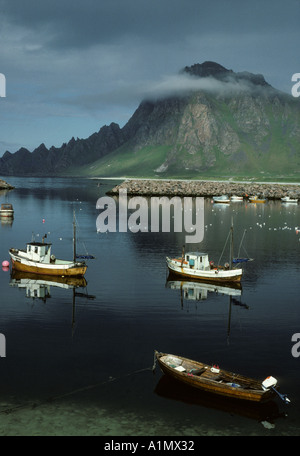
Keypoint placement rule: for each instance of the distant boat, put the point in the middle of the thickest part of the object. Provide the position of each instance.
(196, 266)
(6, 210)
(236, 198)
(256, 199)
(37, 258)
(287, 199)
(221, 199)
(212, 379)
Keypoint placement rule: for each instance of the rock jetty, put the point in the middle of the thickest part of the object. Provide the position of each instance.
(5, 186)
(206, 188)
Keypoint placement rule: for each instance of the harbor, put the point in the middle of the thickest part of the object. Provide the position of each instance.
(79, 353)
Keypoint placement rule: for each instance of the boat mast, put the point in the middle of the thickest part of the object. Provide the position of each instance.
(74, 237)
(182, 257)
(231, 244)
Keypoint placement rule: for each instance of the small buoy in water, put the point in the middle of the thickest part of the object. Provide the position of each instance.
(43, 220)
(5, 265)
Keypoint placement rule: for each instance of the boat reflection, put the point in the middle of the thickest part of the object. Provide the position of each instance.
(6, 221)
(38, 286)
(266, 413)
(198, 291)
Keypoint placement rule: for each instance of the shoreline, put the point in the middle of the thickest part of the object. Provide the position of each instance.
(178, 187)
(5, 186)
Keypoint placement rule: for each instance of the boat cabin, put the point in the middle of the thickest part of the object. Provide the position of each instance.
(39, 251)
(197, 260)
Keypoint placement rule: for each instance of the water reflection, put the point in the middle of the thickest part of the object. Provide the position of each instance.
(137, 309)
(198, 291)
(201, 291)
(267, 414)
(38, 286)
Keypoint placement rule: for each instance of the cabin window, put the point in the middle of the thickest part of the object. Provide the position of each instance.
(200, 259)
(35, 250)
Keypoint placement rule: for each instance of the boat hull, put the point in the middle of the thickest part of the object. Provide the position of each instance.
(256, 200)
(209, 382)
(52, 280)
(212, 275)
(8, 213)
(67, 269)
(288, 200)
(6, 210)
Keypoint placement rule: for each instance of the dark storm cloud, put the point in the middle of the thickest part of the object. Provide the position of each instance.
(74, 65)
(79, 24)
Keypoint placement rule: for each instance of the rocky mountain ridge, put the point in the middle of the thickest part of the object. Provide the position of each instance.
(227, 124)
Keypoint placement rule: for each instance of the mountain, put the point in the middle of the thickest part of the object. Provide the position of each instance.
(55, 161)
(213, 122)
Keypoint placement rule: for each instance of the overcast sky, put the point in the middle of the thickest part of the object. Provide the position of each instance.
(72, 66)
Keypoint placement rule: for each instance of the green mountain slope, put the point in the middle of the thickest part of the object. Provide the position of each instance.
(244, 135)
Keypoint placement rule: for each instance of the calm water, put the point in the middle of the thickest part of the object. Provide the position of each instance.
(79, 362)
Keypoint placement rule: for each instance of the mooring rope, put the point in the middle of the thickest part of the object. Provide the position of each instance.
(70, 393)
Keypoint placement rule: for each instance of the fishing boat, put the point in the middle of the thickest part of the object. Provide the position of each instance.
(218, 381)
(6, 210)
(287, 199)
(256, 199)
(221, 199)
(37, 258)
(236, 198)
(197, 266)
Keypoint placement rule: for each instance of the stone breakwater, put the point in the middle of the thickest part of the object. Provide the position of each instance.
(206, 188)
(5, 186)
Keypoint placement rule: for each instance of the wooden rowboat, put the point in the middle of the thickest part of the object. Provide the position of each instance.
(212, 379)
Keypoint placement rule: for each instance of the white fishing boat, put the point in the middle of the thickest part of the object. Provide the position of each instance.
(223, 199)
(236, 198)
(38, 259)
(196, 265)
(6, 210)
(287, 199)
